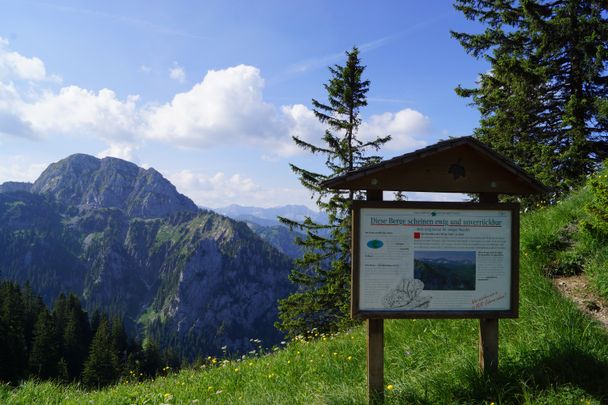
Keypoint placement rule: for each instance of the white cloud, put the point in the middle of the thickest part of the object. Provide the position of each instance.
(39, 112)
(145, 69)
(11, 121)
(13, 65)
(177, 73)
(76, 111)
(20, 168)
(226, 107)
(220, 189)
(303, 124)
(406, 127)
(118, 150)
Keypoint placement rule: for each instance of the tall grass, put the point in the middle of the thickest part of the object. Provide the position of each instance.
(552, 354)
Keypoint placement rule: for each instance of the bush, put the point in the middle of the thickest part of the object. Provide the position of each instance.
(597, 207)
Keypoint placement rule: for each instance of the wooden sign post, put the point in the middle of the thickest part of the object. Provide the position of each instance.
(375, 360)
(436, 260)
(375, 342)
(488, 327)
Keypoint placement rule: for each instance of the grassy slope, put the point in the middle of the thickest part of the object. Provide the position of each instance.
(551, 354)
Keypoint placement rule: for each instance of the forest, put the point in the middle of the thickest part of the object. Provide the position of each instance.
(64, 343)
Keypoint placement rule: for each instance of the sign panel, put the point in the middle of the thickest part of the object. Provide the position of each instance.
(414, 259)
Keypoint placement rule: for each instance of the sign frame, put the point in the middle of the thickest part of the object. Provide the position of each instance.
(358, 313)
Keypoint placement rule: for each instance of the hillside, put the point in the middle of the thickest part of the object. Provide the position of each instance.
(124, 240)
(552, 354)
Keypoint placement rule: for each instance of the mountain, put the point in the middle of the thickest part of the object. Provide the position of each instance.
(264, 222)
(87, 182)
(268, 216)
(445, 274)
(10, 186)
(123, 239)
(280, 237)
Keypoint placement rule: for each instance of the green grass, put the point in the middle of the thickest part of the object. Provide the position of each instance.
(552, 354)
(559, 241)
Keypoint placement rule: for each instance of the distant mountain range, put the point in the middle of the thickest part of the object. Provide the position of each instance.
(123, 239)
(454, 262)
(264, 222)
(268, 216)
(445, 274)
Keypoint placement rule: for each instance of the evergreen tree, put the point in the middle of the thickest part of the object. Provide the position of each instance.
(45, 354)
(13, 347)
(101, 367)
(322, 275)
(60, 312)
(76, 338)
(63, 373)
(6, 373)
(32, 307)
(151, 361)
(119, 340)
(95, 319)
(544, 103)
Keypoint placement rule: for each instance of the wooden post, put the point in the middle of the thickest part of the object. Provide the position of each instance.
(375, 344)
(488, 327)
(375, 360)
(488, 345)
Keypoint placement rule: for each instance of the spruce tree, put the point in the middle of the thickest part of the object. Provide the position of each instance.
(45, 353)
(76, 338)
(322, 274)
(32, 306)
(119, 341)
(13, 348)
(151, 361)
(101, 367)
(60, 312)
(544, 103)
(5, 373)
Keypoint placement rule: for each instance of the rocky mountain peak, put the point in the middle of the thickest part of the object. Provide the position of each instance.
(87, 182)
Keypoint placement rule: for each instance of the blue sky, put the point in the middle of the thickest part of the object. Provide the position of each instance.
(209, 92)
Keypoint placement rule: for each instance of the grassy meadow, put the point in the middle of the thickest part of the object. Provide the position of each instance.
(552, 354)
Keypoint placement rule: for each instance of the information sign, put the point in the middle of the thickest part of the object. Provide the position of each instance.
(435, 260)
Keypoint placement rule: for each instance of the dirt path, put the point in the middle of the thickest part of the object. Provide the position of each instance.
(578, 289)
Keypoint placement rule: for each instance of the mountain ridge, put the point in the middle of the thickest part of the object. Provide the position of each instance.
(268, 216)
(122, 238)
(88, 182)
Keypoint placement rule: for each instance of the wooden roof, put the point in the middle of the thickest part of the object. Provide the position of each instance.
(459, 165)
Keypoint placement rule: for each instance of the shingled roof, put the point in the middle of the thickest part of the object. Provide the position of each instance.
(459, 165)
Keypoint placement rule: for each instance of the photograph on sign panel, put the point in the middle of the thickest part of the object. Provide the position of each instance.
(445, 270)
